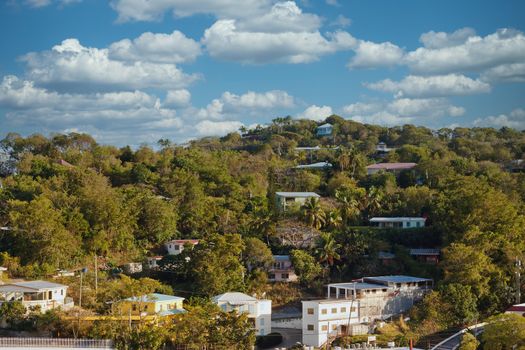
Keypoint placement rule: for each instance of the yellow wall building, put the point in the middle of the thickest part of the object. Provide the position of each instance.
(152, 304)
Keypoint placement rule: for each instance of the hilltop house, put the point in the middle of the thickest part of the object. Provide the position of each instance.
(152, 304)
(426, 255)
(315, 166)
(397, 222)
(176, 246)
(349, 304)
(286, 200)
(37, 294)
(282, 270)
(325, 130)
(389, 167)
(383, 148)
(258, 311)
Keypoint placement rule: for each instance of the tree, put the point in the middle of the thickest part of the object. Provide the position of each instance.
(12, 312)
(327, 249)
(348, 201)
(468, 342)
(306, 266)
(313, 214)
(256, 254)
(504, 332)
(465, 310)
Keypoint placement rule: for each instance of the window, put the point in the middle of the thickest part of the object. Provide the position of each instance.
(61, 292)
(352, 309)
(343, 309)
(334, 327)
(310, 327)
(284, 276)
(334, 310)
(134, 307)
(310, 311)
(323, 311)
(324, 328)
(177, 247)
(408, 224)
(271, 276)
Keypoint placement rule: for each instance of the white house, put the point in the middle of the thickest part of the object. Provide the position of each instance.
(383, 148)
(349, 305)
(43, 294)
(292, 200)
(389, 167)
(397, 222)
(258, 310)
(282, 269)
(325, 130)
(314, 166)
(153, 262)
(176, 246)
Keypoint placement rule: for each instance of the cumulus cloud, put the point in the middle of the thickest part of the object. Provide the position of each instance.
(44, 3)
(342, 21)
(147, 10)
(214, 128)
(74, 66)
(316, 113)
(225, 41)
(439, 40)
(515, 119)
(177, 98)
(370, 55)
(514, 72)
(431, 86)
(163, 48)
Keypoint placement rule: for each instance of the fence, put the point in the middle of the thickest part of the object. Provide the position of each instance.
(53, 343)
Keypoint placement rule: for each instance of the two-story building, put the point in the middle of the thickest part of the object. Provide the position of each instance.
(282, 270)
(293, 200)
(176, 246)
(325, 130)
(41, 295)
(348, 305)
(259, 311)
(398, 222)
(152, 304)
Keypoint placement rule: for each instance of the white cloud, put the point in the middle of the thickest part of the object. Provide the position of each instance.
(212, 128)
(332, 2)
(514, 72)
(44, 3)
(439, 40)
(362, 108)
(370, 55)
(147, 10)
(163, 48)
(77, 67)
(342, 21)
(316, 113)
(431, 86)
(225, 41)
(177, 98)
(515, 119)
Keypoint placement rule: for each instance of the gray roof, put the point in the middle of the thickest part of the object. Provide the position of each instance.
(357, 285)
(281, 257)
(326, 125)
(37, 285)
(386, 255)
(424, 251)
(155, 297)
(234, 298)
(319, 165)
(297, 194)
(396, 219)
(396, 279)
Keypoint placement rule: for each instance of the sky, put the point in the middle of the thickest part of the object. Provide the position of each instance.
(135, 71)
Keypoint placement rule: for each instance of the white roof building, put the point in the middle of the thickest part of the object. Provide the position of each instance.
(43, 294)
(287, 200)
(319, 165)
(325, 129)
(398, 222)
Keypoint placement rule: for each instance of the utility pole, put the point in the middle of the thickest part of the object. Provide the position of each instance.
(80, 298)
(96, 277)
(518, 280)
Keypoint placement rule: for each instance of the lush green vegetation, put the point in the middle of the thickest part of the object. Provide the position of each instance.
(72, 199)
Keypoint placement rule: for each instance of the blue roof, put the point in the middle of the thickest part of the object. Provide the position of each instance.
(172, 312)
(154, 297)
(281, 257)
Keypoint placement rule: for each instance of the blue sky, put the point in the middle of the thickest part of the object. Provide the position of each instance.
(135, 71)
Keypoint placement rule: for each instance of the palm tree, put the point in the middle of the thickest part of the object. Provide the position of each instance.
(343, 159)
(313, 214)
(373, 201)
(349, 206)
(334, 219)
(327, 249)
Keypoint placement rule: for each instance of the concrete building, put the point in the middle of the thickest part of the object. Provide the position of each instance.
(397, 222)
(325, 130)
(153, 262)
(383, 148)
(359, 302)
(389, 167)
(293, 200)
(176, 246)
(259, 311)
(152, 304)
(36, 294)
(282, 270)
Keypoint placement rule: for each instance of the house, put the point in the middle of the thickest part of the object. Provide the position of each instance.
(426, 255)
(153, 262)
(386, 258)
(176, 246)
(152, 304)
(259, 311)
(282, 269)
(315, 166)
(397, 222)
(516, 309)
(325, 130)
(37, 294)
(287, 200)
(389, 167)
(383, 148)
(359, 302)
(132, 267)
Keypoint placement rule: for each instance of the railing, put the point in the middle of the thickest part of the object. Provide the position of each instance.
(54, 343)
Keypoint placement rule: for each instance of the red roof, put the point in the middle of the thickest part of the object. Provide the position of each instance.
(392, 166)
(517, 308)
(182, 241)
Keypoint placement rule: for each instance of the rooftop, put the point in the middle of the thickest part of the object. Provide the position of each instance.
(357, 285)
(234, 298)
(154, 297)
(424, 251)
(281, 257)
(326, 125)
(37, 285)
(182, 241)
(297, 194)
(391, 166)
(319, 165)
(396, 219)
(397, 279)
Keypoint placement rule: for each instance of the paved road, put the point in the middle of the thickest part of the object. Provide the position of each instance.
(453, 342)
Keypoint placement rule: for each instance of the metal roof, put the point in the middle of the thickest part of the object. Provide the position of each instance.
(281, 257)
(357, 285)
(326, 125)
(153, 297)
(37, 285)
(392, 166)
(396, 219)
(396, 279)
(424, 251)
(318, 165)
(297, 194)
(234, 298)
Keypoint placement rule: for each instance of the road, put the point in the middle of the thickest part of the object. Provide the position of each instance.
(452, 343)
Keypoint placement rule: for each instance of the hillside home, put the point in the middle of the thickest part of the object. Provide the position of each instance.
(315, 166)
(37, 294)
(282, 269)
(293, 200)
(131, 268)
(389, 167)
(383, 148)
(325, 130)
(359, 302)
(176, 246)
(426, 255)
(153, 262)
(259, 311)
(397, 222)
(152, 304)
(518, 309)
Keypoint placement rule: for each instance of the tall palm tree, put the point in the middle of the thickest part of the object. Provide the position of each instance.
(327, 249)
(373, 201)
(349, 206)
(334, 219)
(313, 214)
